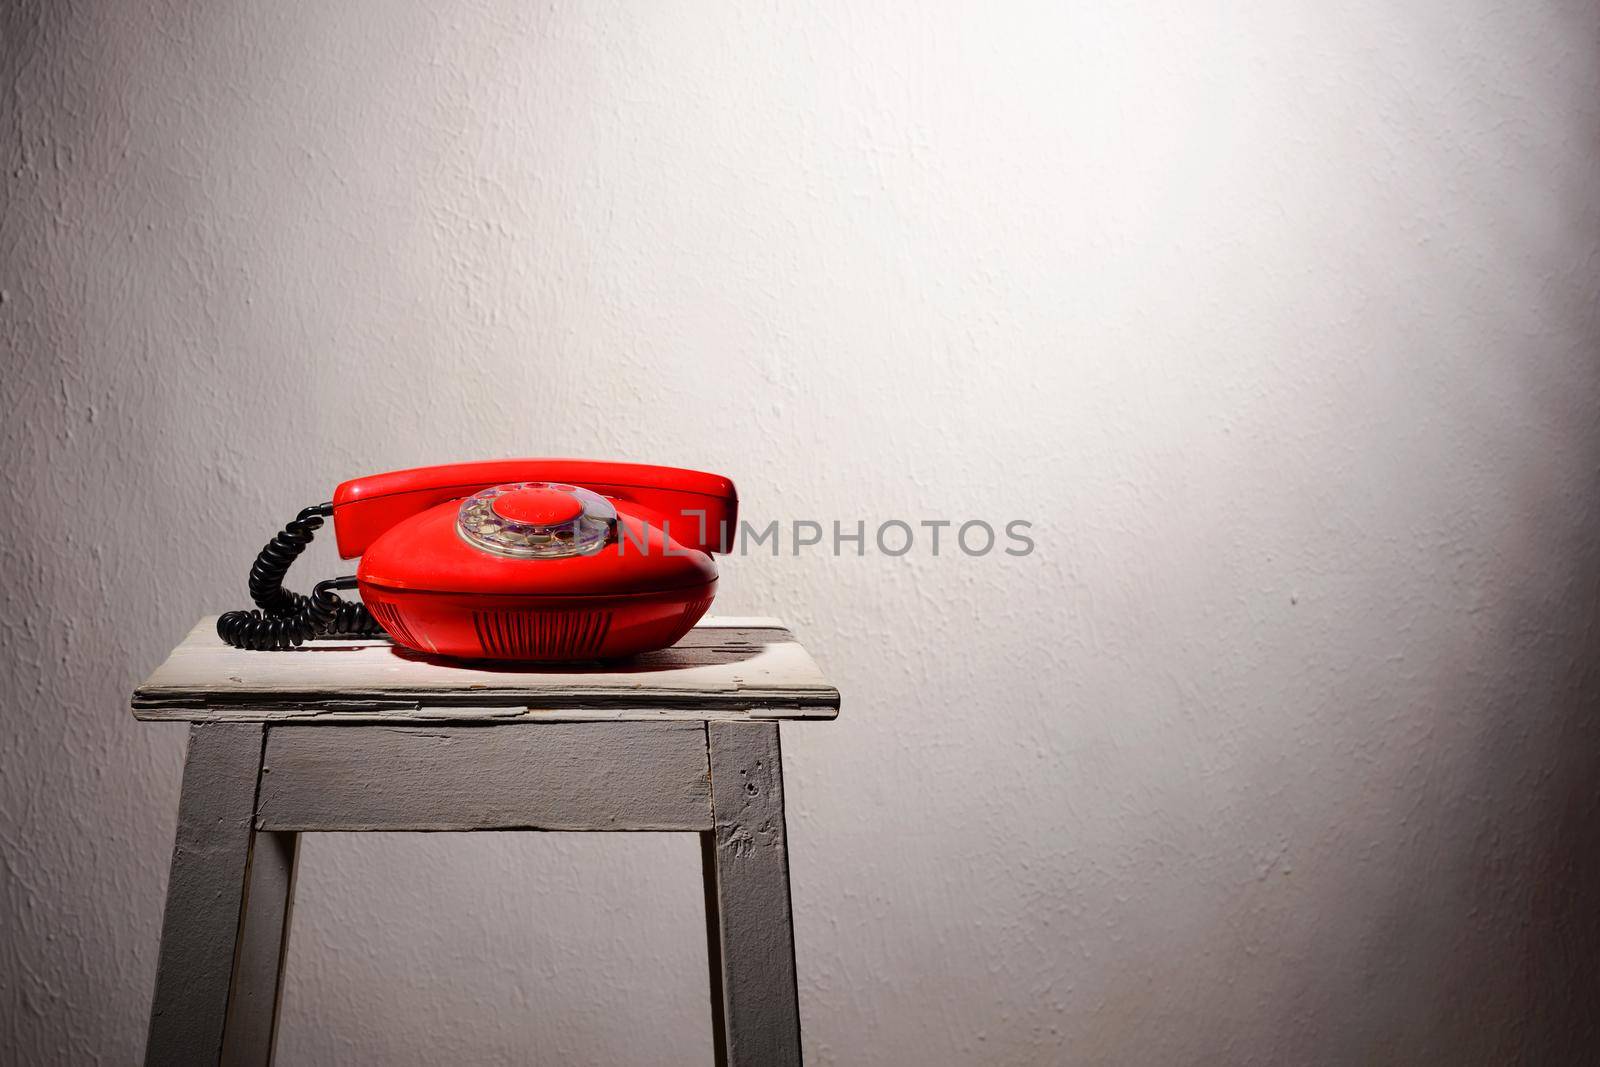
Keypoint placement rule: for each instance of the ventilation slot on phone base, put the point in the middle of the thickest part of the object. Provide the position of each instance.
(542, 634)
(393, 622)
(696, 608)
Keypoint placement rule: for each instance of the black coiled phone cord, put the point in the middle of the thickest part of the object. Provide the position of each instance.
(284, 619)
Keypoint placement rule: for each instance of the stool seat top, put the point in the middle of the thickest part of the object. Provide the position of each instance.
(725, 668)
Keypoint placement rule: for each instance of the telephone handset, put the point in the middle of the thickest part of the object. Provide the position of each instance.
(517, 559)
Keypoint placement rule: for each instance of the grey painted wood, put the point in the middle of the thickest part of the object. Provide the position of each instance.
(330, 739)
(725, 668)
(719, 1022)
(760, 1000)
(365, 711)
(554, 776)
(252, 1027)
(205, 894)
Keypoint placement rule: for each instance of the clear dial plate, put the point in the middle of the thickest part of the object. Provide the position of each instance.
(588, 530)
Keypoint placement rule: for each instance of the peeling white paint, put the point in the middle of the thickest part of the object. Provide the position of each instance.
(1278, 321)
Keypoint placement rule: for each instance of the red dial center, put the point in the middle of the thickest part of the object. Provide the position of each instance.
(538, 507)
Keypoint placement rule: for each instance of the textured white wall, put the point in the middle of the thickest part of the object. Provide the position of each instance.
(1278, 319)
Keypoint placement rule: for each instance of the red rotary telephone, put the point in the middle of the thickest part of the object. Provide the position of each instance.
(517, 559)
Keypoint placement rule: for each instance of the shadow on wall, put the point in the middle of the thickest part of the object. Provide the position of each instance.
(1542, 750)
(1525, 808)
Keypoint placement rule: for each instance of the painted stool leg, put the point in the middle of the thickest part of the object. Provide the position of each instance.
(760, 1009)
(719, 1020)
(252, 1026)
(205, 894)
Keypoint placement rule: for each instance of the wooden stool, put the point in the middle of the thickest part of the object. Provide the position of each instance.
(352, 735)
